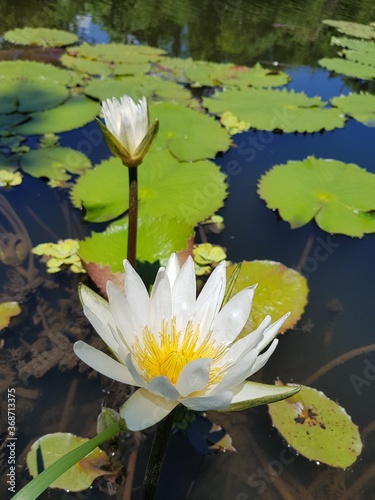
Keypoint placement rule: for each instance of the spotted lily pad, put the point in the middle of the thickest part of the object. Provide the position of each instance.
(30, 70)
(317, 428)
(157, 238)
(349, 68)
(361, 107)
(44, 37)
(167, 189)
(7, 311)
(352, 29)
(340, 196)
(280, 290)
(74, 113)
(81, 475)
(267, 109)
(54, 163)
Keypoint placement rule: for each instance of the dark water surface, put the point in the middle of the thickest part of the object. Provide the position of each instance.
(338, 319)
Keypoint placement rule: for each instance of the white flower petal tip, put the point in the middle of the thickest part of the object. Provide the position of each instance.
(177, 348)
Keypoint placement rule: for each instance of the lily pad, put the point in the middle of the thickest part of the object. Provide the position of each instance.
(348, 68)
(54, 163)
(81, 475)
(30, 70)
(317, 428)
(267, 109)
(352, 29)
(29, 96)
(340, 196)
(12, 120)
(167, 189)
(280, 290)
(187, 134)
(354, 44)
(135, 87)
(361, 107)
(74, 113)
(157, 239)
(44, 37)
(7, 311)
(119, 53)
(84, 65)
(257, 76)
(171, 91)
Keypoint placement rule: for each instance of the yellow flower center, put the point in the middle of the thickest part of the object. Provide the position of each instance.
(174, 350)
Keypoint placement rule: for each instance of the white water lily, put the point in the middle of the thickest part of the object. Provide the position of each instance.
(127, 130)
(178, 348)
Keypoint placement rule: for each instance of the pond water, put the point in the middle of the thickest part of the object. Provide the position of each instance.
(36, 357)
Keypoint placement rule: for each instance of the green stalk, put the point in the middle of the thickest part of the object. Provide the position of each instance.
(156, 458)
(41, 482)
(133, 215)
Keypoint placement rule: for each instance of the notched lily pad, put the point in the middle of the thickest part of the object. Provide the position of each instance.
(44, 37)
(266, 109)
(340, 196)
(81, 475)
(280, 290)
(348, 68)
(352, 29)
(361, 107)
(317, 428)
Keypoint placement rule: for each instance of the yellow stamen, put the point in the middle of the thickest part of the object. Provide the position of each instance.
(174, 350)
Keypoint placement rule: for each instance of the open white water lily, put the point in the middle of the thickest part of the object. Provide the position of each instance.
(126, 130)
(178, 348)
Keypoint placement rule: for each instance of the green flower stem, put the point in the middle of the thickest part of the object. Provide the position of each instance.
(156, 458)
(133, 215)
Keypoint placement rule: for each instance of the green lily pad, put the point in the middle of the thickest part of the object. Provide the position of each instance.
(365, 58)
(348, 68)
(86, 65)
(267, 109)
(280, 290)
(54, 163)
(30, 70)
(12, 120)
(135, 87)
(29, 96)
(257, 76)
(119, 53)
(44, 37)
(204, 73)
(354, 44)
(171, 91)
(81, 475)
(167, 189)
(187, 134)
(157, 239)
(352, 29)
(7, 311)
(341, 196)
(74, 113)
(361, 107)
(317, 428)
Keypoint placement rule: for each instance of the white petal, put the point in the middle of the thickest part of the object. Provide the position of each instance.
(238, 372)
(173, 268)
(184, 295)
(232, 318)
(102, 363)
(160, 305)
(263, 358)
(212, 402)
(122, 314)
(271, 332)
(136, 294)
(194, 376)
(242, 346)
(161, 386)
(210, 299)
(144, 409)
(134, 372)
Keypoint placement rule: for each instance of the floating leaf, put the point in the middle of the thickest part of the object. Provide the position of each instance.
(75, 113)
(7, 311)
(30, 70)
(81, 475)
(361, 107)
(157, 239)
(232, 123)
(171, 91)
(267, 109)
(352, 29)
(45, 37)
(62, 253)
(205, 256)
(354, 44)
(168, 189)
(118, 53)
(341, 196)
(12, 120)
(317, 428)
(135, 87)
(25, 97)
(9, 178)
(54, 163)
(86, 65)
(280, 290)
(257, 76)
(364, 58)
(349, 68)
(187, 134)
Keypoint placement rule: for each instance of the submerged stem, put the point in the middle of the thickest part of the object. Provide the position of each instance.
(133, 214)
(156, 458)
